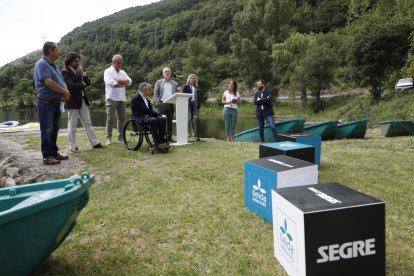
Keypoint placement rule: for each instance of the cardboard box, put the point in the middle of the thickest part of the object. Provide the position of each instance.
(307, 139)
(296, 150)
(261, 175)
(328, 229)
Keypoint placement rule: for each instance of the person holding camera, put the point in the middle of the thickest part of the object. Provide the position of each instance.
(230, 99)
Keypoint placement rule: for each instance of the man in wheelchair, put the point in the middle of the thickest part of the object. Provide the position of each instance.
(143, 113)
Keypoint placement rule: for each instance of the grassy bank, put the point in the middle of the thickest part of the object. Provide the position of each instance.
(182, 213)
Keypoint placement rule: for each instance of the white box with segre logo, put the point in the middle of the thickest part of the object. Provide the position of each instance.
(328, 229)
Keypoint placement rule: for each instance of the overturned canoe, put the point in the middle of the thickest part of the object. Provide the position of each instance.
(327, 130)
(352, 130)
(26, 127)
(8, 124)
(283, 127)
(397, 128)
(36, 218)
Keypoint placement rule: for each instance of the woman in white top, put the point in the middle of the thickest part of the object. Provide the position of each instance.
(230, 99)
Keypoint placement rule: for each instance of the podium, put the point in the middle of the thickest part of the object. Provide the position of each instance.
(181, 110)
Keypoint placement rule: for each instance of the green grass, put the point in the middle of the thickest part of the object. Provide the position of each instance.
(183, 213)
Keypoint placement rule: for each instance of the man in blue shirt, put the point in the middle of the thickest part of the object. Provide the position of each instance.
(52, 90)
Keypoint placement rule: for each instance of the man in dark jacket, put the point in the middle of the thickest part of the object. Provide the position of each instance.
(77, 106)
(264, 110)
(143, 113)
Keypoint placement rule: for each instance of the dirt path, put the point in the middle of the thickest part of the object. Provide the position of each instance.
(25, 165)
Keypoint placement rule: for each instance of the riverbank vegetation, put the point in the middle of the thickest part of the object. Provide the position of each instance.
(183, 213)
(346, 108)
(299, 47)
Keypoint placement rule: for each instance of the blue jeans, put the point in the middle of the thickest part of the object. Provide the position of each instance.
(49, 117)
(271, 122)
(230, 121)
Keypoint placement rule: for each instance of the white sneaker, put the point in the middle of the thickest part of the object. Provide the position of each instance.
(108, 142)
(75, 150)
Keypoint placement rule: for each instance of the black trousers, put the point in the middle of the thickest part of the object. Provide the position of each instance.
(157, 125)
(167, 110)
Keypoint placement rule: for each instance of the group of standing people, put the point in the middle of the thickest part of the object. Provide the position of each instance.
(67, 87)
(58, 89)
(264, 111)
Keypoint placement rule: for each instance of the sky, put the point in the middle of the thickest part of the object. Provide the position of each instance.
(27, 24)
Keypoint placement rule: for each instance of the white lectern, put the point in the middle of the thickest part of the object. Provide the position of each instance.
(181, 109)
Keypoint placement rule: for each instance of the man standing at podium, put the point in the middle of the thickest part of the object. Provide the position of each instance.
(163, 89)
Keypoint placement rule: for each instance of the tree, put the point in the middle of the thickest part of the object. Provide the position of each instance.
(201, 54)
(260, 25)
(359, 7)
(5, 97)
(380, 46)
(318, 70)
(288, 60)
(25, 93)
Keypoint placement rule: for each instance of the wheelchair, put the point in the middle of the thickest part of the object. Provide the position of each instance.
(134, 134)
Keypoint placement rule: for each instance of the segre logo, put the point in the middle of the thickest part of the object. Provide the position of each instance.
(288, 145)
(259, 194)
(279, 162)
(348, 250)
(324, 196)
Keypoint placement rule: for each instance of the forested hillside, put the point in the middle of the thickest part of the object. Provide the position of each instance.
(303, 46)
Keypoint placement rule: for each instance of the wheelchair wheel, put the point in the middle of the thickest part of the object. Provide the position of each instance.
(133, 135)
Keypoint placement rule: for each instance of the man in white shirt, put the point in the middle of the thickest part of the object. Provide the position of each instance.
(163, 89)
(116, 81)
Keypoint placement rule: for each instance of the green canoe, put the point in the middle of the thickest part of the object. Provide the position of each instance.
(352, 130)
(396, 128)
(36, 218)
(283, 127)
(327, 130)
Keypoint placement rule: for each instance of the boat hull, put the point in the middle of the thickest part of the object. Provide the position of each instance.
(26, 127)
(8, 124)
(396, 128)
(327, 130)
(36, 218)
(283, 127)
(352, 130)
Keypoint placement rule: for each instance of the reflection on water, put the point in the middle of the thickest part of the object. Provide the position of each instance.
(211, 125)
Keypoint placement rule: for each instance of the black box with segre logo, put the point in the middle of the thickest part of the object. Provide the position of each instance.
(328, 229)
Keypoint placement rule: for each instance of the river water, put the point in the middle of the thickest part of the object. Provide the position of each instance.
(211, 125)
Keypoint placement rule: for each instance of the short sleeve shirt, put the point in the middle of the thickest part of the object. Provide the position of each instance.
(45, 69)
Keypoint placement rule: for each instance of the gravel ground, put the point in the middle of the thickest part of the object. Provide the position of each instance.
(29, 162)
